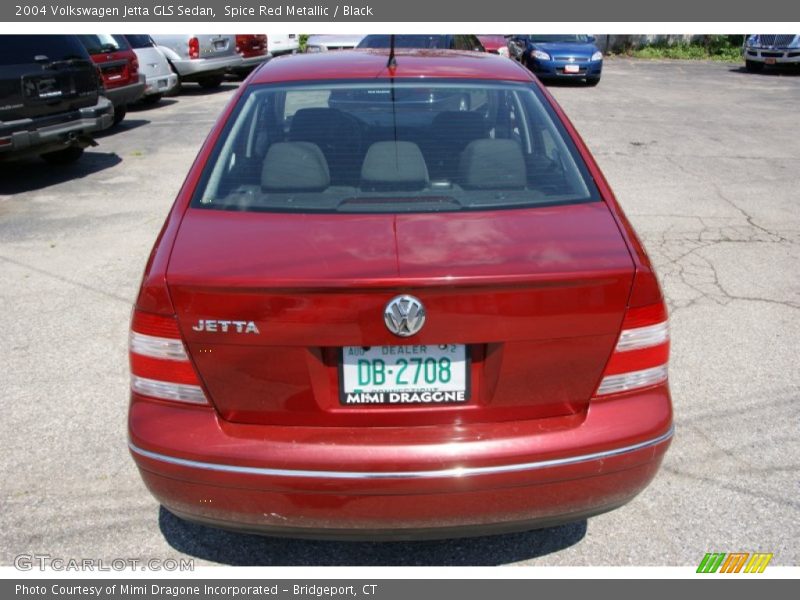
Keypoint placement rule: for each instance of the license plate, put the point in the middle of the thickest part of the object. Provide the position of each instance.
(161, 83)
(572, 69)
(404, 375)
(219, 45)
(770, 61)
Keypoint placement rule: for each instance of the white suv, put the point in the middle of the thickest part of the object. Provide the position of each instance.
(770, 49)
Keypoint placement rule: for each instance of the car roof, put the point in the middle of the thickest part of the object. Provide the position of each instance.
(371, 64)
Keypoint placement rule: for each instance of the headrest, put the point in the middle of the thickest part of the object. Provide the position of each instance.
(311, 121)
(295, 167)
(394, 165)
(492, 164)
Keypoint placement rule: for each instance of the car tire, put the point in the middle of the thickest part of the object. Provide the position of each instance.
(753, 66)
(592, 81)
(151, 99)
(210, 83)
(119, 113)
(65, 156)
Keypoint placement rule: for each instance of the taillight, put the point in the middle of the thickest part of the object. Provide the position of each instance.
(641, 355)
(160, 367)
(194, 48)
(134, 68)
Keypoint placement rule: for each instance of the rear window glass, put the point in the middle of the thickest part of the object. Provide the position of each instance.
(102, 43)
(23, 49)
(383, 146)
(140, 41)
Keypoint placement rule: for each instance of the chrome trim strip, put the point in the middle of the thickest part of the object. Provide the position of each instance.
(452, 472)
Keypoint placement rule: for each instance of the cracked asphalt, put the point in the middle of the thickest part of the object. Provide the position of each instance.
(705, 160)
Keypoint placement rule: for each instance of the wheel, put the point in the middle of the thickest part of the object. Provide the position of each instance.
(151, 99)
(119, 113)
(592, 81)
(65, 156)
(753, 66)
(210, 83)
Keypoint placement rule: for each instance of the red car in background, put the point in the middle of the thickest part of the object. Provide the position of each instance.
(397, 319)
(253, 50)
(119, 69)
(496, 44)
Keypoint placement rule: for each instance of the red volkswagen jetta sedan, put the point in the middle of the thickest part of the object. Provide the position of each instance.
(397, 298)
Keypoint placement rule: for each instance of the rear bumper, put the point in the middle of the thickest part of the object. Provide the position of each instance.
(251, 62)
(192, 70)
(160, 84)
(128, 94)
(30, 136)
(386, 483)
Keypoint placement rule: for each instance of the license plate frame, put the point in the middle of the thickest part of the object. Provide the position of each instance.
(572, 69)
(770, 61)
(417, 396)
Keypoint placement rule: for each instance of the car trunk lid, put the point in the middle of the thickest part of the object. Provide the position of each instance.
(536, 295)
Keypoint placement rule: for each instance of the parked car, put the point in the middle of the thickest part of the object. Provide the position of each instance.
(560, 56)
(384, 323)
(287, 43)
(324, 43)
(422, 41)
(496, 44)
(253, 50)
(50, 98)
(119, 69)
(159, 78)
(203, 59)
(763, 49)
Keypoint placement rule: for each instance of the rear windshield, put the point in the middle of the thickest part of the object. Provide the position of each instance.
(102, 43)
(140, 41)
(410, 146)
(24, 49)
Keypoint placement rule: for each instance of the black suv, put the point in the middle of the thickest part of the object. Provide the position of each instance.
(50, 98)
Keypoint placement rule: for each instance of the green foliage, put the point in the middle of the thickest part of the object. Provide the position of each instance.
(303, 41)
(708, 47)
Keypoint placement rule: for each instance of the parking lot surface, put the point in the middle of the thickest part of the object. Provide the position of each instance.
(705, 160)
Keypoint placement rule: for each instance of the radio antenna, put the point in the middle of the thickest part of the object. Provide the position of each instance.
(392, 62)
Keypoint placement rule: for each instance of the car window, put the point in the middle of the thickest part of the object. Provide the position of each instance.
(467, 42)
(388, 146)
(140, 41)
(23, 49)
(103, 43)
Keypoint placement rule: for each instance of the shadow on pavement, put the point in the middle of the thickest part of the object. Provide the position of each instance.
(241, 549)
(771, 71)
(126, 124)
(144, 107)
(193, 89)
(35, 174)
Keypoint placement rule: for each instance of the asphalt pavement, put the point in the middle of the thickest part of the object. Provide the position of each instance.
(705, 160)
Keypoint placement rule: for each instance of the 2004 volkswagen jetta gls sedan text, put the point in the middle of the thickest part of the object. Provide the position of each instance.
(396, 298)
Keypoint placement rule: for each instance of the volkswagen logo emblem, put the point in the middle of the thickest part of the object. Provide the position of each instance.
(404, 315)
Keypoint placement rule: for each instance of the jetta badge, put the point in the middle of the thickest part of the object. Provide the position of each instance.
(404, 315)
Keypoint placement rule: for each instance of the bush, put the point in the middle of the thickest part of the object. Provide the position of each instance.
(713, 47)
